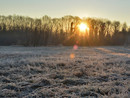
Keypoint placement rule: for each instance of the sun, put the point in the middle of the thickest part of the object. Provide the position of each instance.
(83, 27)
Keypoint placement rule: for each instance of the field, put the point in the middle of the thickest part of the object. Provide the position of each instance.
(63, 72)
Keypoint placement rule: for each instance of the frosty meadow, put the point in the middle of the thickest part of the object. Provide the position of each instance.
(44, 72)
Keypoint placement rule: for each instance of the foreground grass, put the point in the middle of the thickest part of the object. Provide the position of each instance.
(50, 72)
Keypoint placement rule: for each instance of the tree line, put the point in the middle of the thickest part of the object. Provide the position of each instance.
(27, 31)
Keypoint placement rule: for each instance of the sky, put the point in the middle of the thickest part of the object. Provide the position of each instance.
(109, 9)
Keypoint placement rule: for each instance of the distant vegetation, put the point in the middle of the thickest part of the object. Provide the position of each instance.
(20, 30)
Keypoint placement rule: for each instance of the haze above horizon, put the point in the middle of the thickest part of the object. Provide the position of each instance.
(109, 9)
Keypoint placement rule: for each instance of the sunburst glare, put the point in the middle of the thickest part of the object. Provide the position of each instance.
(83, 27)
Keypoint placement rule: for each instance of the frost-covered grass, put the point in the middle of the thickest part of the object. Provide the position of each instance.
(50, 72)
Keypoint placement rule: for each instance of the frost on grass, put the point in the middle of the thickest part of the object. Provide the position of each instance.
(50, 72)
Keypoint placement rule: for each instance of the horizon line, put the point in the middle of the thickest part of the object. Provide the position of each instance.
(39, 17)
